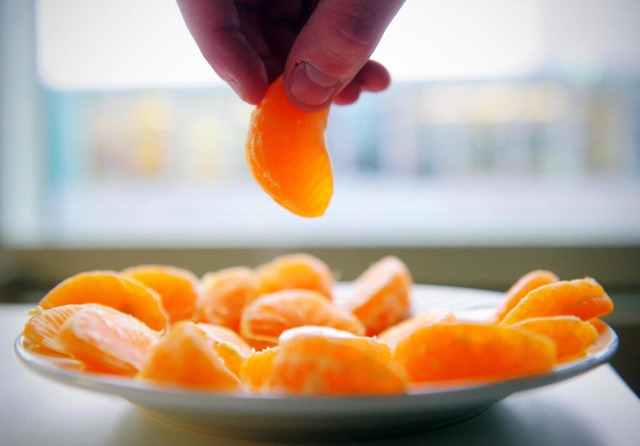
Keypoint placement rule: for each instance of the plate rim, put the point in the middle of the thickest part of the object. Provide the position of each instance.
(139, 391)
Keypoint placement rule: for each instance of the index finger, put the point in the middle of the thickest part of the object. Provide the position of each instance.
(215, 26)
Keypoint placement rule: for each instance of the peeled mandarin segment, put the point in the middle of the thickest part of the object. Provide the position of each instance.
(225, 294)
(300, 270)
(473, 351)
(256, 369)
(370, 345)
(186, 357)
(394, 334)
(107, 340)
(571, 334)
(287, 155)
(522, 287)
(318, 365)
(232, 349)
(179, 289)
(224, 334)
(268, 316)
(381, 295)
(43, 327)
(584, 298)
(112, 289)
(599, 325)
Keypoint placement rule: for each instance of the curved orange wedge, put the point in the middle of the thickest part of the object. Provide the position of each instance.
(287, 155)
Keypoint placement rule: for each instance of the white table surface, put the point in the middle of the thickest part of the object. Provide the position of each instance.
(596, 408)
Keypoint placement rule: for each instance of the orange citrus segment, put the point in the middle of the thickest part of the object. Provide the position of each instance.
(287, 155)
(107, 340)
(224, 334)
(43, 327)
(584, 298)
(225, 294)
(571, 334)
(256, 369)
(309, 364)
(299, 270)
(112, 289)
(394, 334)
(473, 351)
(522, 287)
(381, 295)
(179, 289)
(186, 356)
(268, 316)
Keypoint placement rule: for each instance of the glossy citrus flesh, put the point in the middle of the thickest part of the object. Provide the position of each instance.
(584, 298)
(43, 327)
(299, 270)
(268, 316)
(381, 295)
(112, 289)
(256, 369)
(472, 352)
(179, 289)
(186, 356)
(522, 287)
(225, 294)
(314, 364)
(297, 340)
(571, 335)
(287, 154)
(107, 340)
(396, 333)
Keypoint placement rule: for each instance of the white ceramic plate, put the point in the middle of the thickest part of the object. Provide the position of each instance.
(329, 418)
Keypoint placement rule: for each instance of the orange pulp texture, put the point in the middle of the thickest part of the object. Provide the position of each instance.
(179, 289)
(225, 293)
(112, 289)
(256, 369)
(584, 298)
(381, 295)
(43, 327)
(314, 364)
(268, 316)
(287, 155)
(522, 287)
(473, 351)
(187, 356)
(298, 270)
(107, 340)
(396, 333)
(571, 335)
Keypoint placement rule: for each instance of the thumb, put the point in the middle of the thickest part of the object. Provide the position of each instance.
(332, 47)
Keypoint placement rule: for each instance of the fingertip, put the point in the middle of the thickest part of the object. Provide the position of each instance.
(350, 94)
(310, 89)
(374, 77)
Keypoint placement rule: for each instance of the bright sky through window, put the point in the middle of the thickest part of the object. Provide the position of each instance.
(93, 44)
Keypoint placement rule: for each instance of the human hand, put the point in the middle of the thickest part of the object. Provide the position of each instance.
(321, 46)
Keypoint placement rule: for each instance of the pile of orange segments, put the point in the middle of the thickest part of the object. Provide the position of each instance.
(277, 329)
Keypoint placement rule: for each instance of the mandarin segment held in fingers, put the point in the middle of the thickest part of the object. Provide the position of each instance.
(287, 154)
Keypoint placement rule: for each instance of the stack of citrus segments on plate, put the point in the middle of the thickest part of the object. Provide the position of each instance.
(278, 329)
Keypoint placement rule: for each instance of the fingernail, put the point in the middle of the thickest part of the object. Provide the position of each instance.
(312, 87)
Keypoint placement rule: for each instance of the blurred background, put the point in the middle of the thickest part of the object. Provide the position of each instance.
(509, 140)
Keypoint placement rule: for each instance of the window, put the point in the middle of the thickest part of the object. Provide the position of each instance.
(507, 123)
